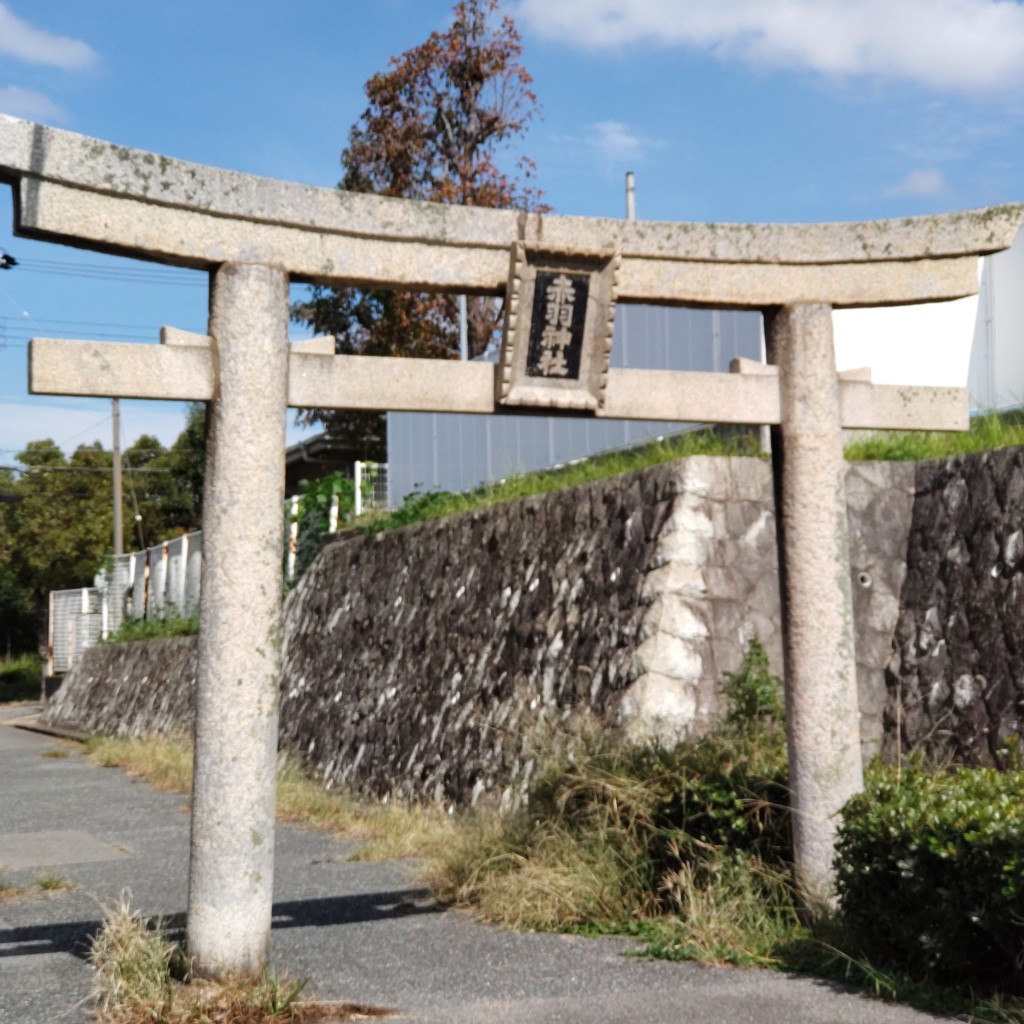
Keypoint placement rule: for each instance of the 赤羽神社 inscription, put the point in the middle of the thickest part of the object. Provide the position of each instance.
(556, 333)
(254, 236)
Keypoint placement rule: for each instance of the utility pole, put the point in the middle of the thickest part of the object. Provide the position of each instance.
(115, 404)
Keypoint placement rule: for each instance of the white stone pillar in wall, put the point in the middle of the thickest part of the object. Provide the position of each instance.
(821, 669)
(233, 794)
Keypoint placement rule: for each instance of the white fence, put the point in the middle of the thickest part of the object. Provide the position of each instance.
(158, 583)
(164, 581)
(76, 622)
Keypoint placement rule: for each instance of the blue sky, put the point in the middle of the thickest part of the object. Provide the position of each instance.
(730, 110)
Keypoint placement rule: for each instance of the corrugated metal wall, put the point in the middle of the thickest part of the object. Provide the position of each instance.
(996, 376)
(454, 452)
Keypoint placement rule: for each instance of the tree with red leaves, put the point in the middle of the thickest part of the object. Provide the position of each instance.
(438, 121)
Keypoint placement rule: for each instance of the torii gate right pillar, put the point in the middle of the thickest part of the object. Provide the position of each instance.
(825, 767)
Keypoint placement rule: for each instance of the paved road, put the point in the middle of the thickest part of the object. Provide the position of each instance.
(359, 932)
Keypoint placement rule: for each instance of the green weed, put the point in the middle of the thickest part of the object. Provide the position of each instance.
(51, 883)
(687, 846)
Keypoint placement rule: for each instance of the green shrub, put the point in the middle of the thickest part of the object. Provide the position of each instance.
(20, 678)
(930, 874)
(753, 695)
(314, 513)
(648, 838)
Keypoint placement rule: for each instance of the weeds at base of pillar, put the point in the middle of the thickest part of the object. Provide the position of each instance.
(142, 977)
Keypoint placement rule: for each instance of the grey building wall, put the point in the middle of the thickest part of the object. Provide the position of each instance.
(996, 376)
(455, 452)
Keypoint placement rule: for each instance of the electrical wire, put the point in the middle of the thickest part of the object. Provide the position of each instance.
(98, 272)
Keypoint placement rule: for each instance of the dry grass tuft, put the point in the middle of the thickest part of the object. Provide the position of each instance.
(728, 909)
(388, 831)
(133, 963)
(8, 891)
(164, 762)
(143, 978)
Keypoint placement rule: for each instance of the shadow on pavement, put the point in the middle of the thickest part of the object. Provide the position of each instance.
(75, 937)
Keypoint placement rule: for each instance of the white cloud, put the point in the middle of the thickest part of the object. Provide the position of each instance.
(928, 183)
(959, 45)
(615, 141)
(32, 106)
(20, 39)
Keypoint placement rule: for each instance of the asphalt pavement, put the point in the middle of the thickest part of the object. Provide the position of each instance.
(358, 932)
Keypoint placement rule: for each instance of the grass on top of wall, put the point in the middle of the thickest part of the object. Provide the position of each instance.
(994, 430)
(419, 508)
(153, 629)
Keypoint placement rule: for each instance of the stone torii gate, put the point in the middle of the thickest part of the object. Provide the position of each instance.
(254, 235)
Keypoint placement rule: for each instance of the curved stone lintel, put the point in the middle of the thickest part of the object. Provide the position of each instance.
(33, 152)
(187, 237)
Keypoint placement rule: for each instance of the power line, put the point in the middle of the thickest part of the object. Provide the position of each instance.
(79, 323)
(137, 274)
(46, 468)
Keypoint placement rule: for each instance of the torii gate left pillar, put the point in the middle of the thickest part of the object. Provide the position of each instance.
(253, 234)
(233, 792)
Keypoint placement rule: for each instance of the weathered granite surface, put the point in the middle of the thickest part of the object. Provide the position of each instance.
(956, 678)
(108, 196)
(436, 662)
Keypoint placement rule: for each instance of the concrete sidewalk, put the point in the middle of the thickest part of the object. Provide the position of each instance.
(361, 933)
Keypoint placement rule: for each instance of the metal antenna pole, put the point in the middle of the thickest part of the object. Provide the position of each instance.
(463, 329)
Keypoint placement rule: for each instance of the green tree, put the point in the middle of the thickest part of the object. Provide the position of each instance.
(56, 520)
(181, 506)
(438, 122)
(60, 530)
(165, 485)
(16, 619)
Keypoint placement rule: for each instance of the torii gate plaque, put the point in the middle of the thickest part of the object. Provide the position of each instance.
(254, 235)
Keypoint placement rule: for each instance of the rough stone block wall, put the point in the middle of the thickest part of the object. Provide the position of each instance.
(129, 689)
(956, 678)
(435, 662)
(438, 661)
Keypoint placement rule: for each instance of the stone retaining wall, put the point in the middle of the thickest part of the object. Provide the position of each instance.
(956, 677)
(435, 662)
(128, 689)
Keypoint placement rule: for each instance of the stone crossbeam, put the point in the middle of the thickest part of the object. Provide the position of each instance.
(87, 192)
(184, 371)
